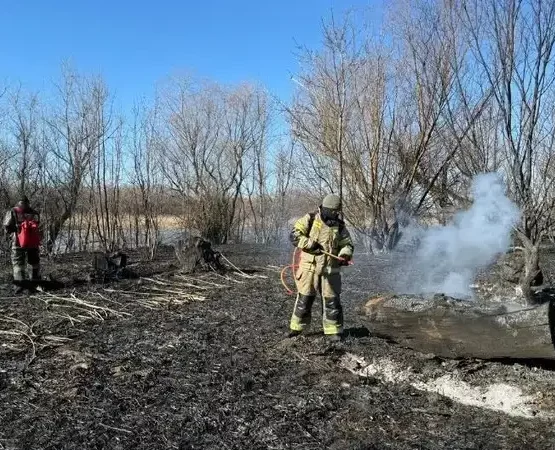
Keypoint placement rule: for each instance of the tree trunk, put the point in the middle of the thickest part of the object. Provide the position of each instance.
(533, 275)
(384, 238)
(54, 229)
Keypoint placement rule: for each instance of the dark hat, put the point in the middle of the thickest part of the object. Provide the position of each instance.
(23, 202)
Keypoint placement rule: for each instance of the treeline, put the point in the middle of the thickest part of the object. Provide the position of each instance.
(200, 154)
(397, 120)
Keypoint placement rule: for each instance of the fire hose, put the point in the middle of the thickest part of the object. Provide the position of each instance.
(295, 265)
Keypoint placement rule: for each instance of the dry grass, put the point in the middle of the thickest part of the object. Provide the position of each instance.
(170, 222)
(127, 221)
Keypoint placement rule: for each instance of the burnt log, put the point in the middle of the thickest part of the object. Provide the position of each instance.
(453, 328)
(109, 266)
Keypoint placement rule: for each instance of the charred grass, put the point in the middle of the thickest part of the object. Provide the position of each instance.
(174, 361)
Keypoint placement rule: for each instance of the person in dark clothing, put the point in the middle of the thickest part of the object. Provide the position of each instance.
(22, 222)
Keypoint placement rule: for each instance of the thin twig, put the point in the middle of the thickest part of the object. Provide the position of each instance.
(236, 268)
(14, 320)
(123, 430)
(22, 333)
(210, 283)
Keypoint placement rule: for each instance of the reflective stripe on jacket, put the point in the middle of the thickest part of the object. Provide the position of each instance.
(335, 240)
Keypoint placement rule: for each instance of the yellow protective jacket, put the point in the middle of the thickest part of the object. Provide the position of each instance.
(335, 240)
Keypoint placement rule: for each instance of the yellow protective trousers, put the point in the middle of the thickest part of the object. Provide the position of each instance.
(310, 283)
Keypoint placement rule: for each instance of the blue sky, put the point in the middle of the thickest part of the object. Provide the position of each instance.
(135, 44)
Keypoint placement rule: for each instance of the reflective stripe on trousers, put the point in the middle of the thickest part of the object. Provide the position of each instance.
(309, 284)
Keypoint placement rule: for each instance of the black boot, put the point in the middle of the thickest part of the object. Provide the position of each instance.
(335, 337)
(293, 333)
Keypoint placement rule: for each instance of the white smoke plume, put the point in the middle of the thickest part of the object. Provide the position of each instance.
(448, 258)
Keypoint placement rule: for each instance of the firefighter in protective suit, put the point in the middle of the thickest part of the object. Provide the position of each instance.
(318, 273)
(23, 252)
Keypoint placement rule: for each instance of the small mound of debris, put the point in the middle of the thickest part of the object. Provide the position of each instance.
(107, 267)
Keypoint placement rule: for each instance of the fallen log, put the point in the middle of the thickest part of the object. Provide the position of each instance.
(454, 328)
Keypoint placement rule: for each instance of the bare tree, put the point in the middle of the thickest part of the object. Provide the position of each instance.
(320, 114)
(389, 120)
(211, 131)
(269, 191)
(74, 132)
(146, 175)
(105, 187)
(25, 117)
(513, 41)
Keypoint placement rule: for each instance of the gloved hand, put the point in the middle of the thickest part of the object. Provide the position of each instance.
(315, 248)
(344, 260)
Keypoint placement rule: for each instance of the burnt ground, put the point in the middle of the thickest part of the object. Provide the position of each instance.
(158, 363)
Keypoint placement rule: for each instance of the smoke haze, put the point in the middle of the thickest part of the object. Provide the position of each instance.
(448, 258)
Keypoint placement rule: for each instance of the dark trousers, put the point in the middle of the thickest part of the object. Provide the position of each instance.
(20, 258)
